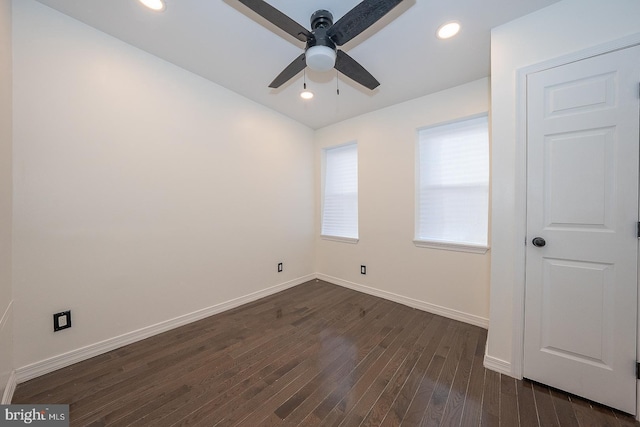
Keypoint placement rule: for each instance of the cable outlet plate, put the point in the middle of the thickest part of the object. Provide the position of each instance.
(61, 320)
(279, 267)
(363, 269)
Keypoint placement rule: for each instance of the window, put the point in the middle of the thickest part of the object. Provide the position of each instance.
(453, 185)
(340, 193)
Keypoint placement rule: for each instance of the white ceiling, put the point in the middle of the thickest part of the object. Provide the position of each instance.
(225, 42)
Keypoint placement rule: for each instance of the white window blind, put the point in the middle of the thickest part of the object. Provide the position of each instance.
(340, 198)
(453, 183)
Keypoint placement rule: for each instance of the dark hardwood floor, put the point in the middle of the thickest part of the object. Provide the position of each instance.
(316, 354)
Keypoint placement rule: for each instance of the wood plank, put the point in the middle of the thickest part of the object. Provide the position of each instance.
(401, 404)
(587, 416)
(435, 409)
(472, 408)
(544, 406)
(381, 407)
(508, 402)
(453, 410)
(625, 420)
(563, 408)
(491, 400)
(423, 394)
(526, 404)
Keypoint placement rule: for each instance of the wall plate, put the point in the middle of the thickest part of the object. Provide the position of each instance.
(61, 320)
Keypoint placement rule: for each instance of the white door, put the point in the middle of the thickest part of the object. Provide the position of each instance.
(582, 202)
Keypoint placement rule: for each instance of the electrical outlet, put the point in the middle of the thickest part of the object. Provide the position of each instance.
(61, 320)
(280, 267)
(363, 269)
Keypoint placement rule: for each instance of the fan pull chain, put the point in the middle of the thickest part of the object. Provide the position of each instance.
(337, 81)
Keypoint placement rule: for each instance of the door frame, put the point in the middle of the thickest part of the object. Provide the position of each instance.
(517, 363)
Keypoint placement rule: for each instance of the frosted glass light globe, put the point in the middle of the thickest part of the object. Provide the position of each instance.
(320, 58)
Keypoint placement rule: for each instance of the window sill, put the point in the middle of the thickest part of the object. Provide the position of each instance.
(451, 246)
(340, 239)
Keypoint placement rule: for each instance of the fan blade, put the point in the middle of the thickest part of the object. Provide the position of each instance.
(292, 69)
(360, 18)
(278, 19)
(350, 68)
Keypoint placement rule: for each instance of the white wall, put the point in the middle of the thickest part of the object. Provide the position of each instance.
(563, 28)
(142, 192)
(6, 344)
(455, 284)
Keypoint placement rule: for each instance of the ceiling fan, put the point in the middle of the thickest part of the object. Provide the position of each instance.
(321, 53)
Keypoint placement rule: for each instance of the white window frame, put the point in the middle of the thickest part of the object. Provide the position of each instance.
(448, 244)
(338, 238)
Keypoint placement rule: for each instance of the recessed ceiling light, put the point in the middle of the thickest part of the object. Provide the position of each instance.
(448, 30)
(306, 94)
(157, 5)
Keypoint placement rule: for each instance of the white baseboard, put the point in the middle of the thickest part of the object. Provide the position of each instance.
(497, 365)
(414, 303)
(10, 386)
(9, 389)
(42, 367)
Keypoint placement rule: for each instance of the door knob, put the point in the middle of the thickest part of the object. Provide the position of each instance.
(538, 241)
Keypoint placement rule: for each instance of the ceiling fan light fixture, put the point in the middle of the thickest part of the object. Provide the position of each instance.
(448, 30)
(157, 5)
(320, 58)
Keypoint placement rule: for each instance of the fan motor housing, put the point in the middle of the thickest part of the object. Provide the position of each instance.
(321, 19)
(320, 38)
